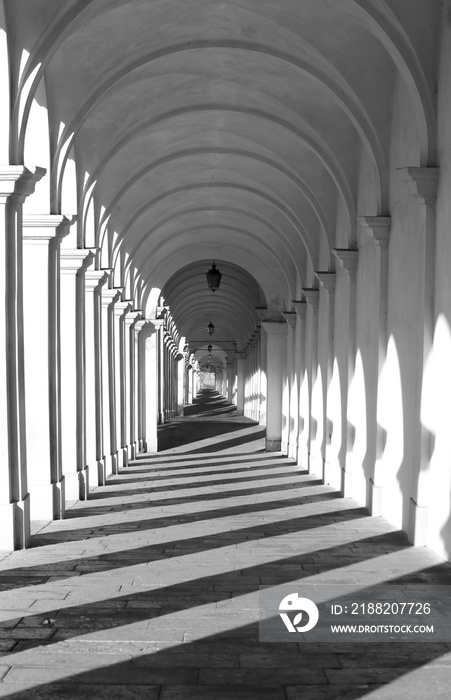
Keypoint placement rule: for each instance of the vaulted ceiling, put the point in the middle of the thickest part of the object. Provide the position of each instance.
(221, 129)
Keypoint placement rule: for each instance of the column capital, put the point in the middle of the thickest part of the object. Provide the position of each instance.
(377, 228)
(132, 316)
(347, 258)
(108, 270)
(41, 228)
(311, 296)
(327, 281)
(241, 355)
(149, 326)
(121, 308)
(300, 308)
(156, 322)
(422, 183)
(274, 327)
(110, 296)
(18, 181)
(290, 318)
(73, 260)
(95, 279)
(139, 325)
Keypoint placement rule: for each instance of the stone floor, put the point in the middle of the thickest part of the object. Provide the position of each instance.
(150, 589)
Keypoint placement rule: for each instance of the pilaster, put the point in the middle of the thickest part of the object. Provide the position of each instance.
(276, 359)
(94, 281)
(150, 341)
(327, 281)
(41, 248)
(303, 399)
(347, 260)
(109, 296)
(290, 399)
(140, 384)
(16, 183)
(120, 309)
(378, 228)
(422, 184)
(131, 319)
(313, 444)
(73, 265)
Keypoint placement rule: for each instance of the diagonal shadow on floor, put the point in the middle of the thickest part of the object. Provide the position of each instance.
(158, 600)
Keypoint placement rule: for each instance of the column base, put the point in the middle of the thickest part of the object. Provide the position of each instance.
(101, 472)
(284, 447)
(418, 524)
(333, 473)
(58, 500)
(303, 457)
(346, 483)
(151, 446)
(114, 463)
(41, 501)
(293, 452)
(71, 487)
(83, 483)
(376, 499)
(133, 451)
(316, 464)
(272, 445)
(327, 470)
(124, 457)
(240, 412)
(15, 529)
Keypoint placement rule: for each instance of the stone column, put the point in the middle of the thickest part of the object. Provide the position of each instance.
(422, 184)
(74, 263)
(314, 443)
(348, 259)
(16, 183)
(161, 359)
(230, 377)
(150, 339)
(263, 400)
(140, 384)
(290, 400)
(378, 228)
(120, 310)
(276, 339)
(94, 281)
(190, 384)
(327, 281)
(108, 298)
(240, 382)
(131, 320)
(41, 250)
(304, 400)
(180, 359)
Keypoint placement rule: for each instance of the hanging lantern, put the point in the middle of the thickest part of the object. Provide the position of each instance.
(211, 328)
(213, 278)
(210, 348)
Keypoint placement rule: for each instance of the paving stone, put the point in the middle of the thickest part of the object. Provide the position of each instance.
(269, 676)
(282, 659)
(76, 690)
(149, 591)
(303, 692)
(222, 692)
(122, 674)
